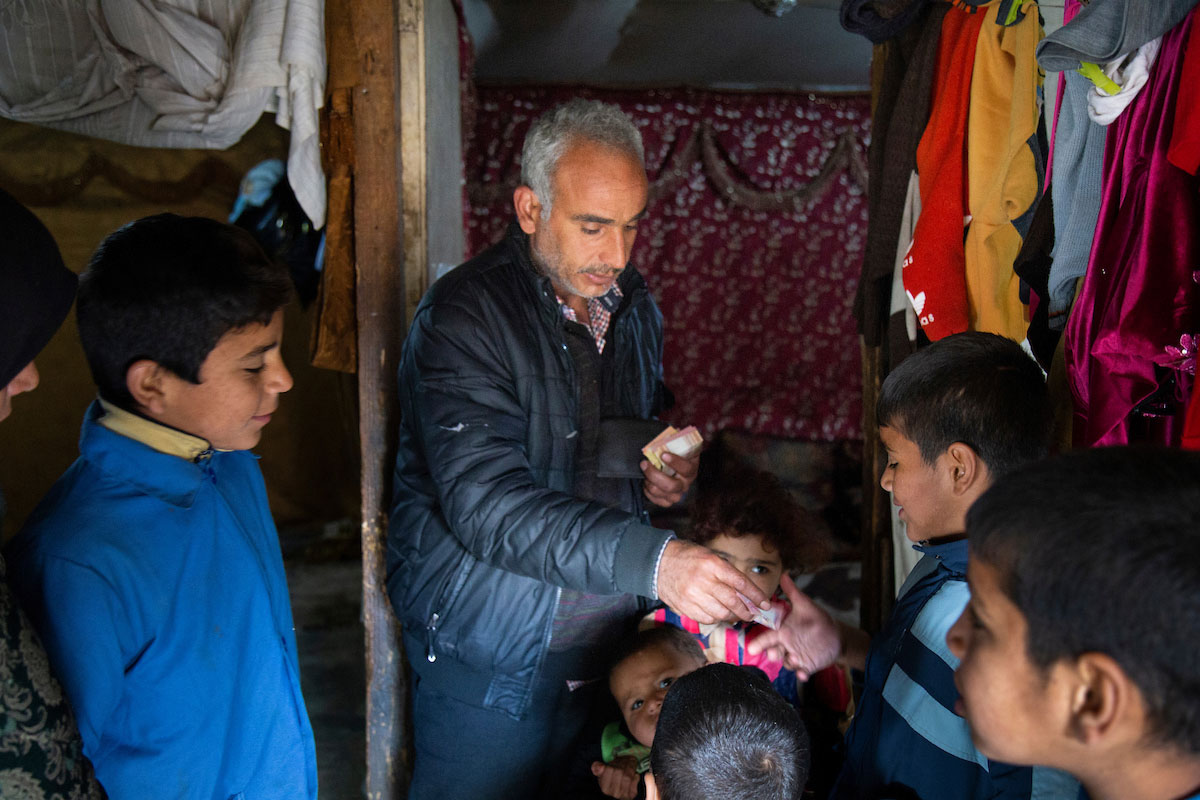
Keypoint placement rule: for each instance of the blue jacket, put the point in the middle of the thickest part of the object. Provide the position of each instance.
(158, 588)
(907, 741)
(485, 527)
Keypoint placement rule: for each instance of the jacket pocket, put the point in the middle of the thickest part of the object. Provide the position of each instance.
(444, 602)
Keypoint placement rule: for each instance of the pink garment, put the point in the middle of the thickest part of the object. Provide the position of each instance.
(725, 642)
(1133, 326)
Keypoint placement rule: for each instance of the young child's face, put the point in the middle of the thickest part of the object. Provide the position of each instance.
(640, 682)
(240, 383)
(753, 557)
(922, 492)
(1005, 698)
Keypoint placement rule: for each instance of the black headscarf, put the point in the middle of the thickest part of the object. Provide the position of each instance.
(36, 288)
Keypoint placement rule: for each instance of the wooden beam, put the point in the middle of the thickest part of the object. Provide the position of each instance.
(379, 255)
(878, 578)
(413, 152)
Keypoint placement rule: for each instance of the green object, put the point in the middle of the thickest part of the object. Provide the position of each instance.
(1096, 75)
(614, 743)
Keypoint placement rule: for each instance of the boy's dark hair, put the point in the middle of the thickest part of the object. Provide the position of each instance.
(1100, 551)
(724, 732)
(976, 388)
(745, 502)
(677, 639)
(167, 288)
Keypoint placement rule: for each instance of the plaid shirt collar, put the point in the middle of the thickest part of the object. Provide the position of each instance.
(600, 311)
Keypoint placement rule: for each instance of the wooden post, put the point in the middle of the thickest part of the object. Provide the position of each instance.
(878, 587)
(379, 254)
(374, 152)
(878, 580)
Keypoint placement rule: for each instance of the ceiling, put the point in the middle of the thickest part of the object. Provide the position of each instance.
(726, 44)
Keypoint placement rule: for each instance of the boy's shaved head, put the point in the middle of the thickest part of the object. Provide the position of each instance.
(1099, 550)
(724, 732)
(976, 388)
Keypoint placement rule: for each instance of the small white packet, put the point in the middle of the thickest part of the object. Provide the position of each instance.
(769, 618)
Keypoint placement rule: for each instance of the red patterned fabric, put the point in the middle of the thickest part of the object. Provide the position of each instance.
(752, 246)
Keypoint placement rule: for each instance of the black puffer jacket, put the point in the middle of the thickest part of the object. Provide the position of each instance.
(484, 527)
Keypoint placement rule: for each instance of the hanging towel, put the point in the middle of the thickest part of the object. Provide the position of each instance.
(1105, 30)
(1129, 74)
(935, 270)
(1131, 331)
(902, 323)
(1004, 166)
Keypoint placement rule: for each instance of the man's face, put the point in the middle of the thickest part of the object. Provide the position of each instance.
(25, 381)
(240, 383)
(1008, 702)
(753, 557)
(640, 682)
(922, 492)
(599, 197)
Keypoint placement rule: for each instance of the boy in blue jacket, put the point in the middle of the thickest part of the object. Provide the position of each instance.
(1078, 648)
(953, 418)
(152, 568)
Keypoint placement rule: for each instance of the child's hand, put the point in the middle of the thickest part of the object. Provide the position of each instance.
(619, 779)
(808, 640)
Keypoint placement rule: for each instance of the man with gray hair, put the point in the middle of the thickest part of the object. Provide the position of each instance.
(519, 549)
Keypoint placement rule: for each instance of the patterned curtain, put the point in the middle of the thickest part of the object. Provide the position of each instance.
(752, 247)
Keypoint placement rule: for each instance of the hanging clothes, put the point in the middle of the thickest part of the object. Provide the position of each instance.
(905, 94)
(1130, 335)
(1184, 151)
(1129, 75)
(1078, 162)
(863, 17)
(1004, 163)
(1104, 31)
(935, 269)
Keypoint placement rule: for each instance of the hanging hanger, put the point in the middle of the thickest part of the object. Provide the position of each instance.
(1095, 74)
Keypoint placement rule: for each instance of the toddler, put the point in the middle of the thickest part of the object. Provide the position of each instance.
(644, 668)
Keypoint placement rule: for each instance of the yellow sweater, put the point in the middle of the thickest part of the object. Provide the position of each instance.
(1002, 180)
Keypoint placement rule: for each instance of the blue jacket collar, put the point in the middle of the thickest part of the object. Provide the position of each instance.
(952, 555)
(172, 479)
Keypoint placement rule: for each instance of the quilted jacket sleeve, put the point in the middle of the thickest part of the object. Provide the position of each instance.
(461, 396)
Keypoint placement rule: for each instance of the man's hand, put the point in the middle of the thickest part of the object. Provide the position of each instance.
(698, 583)
(618, 779)
(808, 640)
(664, 490)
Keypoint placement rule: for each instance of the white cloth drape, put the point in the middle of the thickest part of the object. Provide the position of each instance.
(170, 73)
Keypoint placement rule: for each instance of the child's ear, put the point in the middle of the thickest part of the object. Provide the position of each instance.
(528, 208)
(146, 381)
(651, 787)
(1103, 701)
(968, 473)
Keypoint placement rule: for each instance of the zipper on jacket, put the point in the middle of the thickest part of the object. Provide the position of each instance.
(431, 627)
